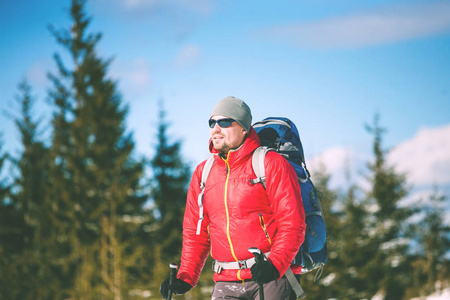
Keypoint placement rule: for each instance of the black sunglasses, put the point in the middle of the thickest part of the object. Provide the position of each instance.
(223, 123)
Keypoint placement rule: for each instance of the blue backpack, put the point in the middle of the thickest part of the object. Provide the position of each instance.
(281, 135)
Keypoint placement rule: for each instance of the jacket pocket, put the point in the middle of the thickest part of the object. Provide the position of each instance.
(264, 228)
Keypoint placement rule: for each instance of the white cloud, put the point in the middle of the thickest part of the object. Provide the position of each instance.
(386, 25)
(172, 18)
(343, 164)
(204, 7)
(425, 158)
(187, 55)
(147, 8)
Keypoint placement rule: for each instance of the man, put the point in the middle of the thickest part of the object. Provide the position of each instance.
(238, 214)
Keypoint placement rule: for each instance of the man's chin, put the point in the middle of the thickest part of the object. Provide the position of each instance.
(217, 144)
(220, 147)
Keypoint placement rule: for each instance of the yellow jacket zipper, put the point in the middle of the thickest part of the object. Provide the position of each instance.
(228, 217)
(226, 208)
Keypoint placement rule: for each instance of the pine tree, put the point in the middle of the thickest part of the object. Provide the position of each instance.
(351, 281)
(346, 217)
(320, 285)
(94, 169)
(387, 267)
(10, 238)
(171, 177)
(31, 198)
(434, 238)
(33, 167)
(28, 206)
(61, 189)
(169, 191)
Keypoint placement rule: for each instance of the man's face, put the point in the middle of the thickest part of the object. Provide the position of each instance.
(225, 139)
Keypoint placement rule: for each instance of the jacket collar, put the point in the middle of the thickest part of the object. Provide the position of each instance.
(242, 153)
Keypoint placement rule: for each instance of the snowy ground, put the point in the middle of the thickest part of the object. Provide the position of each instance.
(444, 295)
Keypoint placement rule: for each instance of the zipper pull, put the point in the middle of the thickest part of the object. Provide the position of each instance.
(227, 166)
(263, 226)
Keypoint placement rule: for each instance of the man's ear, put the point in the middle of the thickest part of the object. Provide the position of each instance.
(244, 132)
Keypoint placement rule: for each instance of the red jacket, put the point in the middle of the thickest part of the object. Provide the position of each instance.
(232, 205)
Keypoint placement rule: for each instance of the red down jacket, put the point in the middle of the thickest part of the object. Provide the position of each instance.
(232, 205)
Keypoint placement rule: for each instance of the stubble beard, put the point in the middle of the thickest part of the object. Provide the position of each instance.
(221, 146)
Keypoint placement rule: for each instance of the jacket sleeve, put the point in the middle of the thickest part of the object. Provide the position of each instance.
(283, 190)
(195, 247)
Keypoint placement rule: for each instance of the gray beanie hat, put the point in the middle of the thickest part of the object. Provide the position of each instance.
(235, 109)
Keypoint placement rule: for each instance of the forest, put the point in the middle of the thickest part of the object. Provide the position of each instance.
(84, 217)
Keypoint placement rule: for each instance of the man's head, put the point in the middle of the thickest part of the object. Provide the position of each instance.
(230, 121)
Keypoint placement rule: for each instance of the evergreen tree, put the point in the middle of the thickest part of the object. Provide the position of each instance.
(434, 238)
(10, 238)
(31, 199)
(169, 190)
(386, 268)
(33, 167)
(94, 170)
(320, 285)
(29, 208)
(61, 189)
(171, 177)
(353, 251)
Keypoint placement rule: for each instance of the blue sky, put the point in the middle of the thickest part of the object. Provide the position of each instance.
(328, 65)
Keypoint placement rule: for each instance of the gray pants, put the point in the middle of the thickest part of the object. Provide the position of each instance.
(274, 290)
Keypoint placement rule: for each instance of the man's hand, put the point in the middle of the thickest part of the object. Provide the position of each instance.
(264, 271)
(178, 287)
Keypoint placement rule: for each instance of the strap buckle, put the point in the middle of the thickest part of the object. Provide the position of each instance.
(242, 264)
(217, 267)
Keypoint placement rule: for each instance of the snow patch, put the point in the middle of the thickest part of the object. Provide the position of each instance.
(439, 295)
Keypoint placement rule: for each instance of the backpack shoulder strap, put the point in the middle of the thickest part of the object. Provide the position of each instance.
(258, 158)
(206, 169)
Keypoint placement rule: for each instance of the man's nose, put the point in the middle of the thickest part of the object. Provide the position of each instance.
(216, 127)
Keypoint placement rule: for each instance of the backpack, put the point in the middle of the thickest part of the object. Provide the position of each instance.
(281, 135)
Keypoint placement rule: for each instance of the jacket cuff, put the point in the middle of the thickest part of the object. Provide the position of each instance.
(280, 267)
(188, 278)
